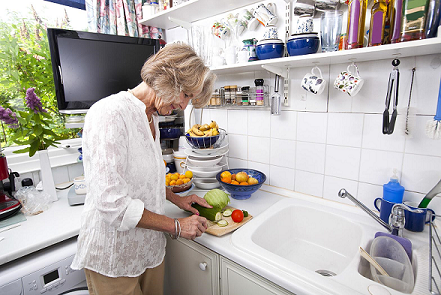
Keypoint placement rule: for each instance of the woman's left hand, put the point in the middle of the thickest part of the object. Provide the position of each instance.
(186, 202)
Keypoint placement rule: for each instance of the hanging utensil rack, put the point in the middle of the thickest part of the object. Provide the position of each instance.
(434, 256)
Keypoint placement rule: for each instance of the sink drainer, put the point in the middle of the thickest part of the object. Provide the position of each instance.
(326, 273)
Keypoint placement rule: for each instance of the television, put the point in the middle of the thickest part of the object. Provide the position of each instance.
(90, 66)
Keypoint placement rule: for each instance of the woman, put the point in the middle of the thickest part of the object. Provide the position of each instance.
(121, 244)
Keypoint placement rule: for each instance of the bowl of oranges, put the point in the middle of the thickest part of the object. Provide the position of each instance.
(179, 183)
(241, 183)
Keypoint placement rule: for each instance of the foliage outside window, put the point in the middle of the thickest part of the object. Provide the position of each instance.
(25, 63)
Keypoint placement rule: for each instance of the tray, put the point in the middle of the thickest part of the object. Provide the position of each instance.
(216, 230)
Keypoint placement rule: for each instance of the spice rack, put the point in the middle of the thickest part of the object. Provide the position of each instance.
(233, 96)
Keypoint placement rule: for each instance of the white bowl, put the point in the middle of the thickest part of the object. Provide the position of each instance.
(205, 172)
(206, 183)
(192, 161)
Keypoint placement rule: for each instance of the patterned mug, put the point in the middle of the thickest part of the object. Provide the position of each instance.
(305, 24)
(314, 83)
(349, 82)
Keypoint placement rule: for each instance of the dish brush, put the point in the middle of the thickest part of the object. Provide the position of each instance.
(433, 127)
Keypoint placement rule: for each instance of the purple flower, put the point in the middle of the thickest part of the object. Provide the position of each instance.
(9, 117)
(33, 102)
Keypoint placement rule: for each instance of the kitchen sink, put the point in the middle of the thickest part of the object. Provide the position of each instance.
(311, 238)
(317, 242)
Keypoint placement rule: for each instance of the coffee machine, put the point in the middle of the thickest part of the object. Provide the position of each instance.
(8, 205)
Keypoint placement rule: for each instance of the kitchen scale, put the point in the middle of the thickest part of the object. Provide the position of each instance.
(73, 198)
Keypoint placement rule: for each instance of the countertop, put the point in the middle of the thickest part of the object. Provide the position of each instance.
(62, 221)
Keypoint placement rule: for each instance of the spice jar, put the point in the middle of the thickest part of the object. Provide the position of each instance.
(239, 96)
(233, 90)
(259, 92)
(227, 95)
(245, 95)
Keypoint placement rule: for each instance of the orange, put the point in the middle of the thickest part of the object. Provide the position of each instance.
(233, 176)
(225, 174)
(179, 182)
(226, 179)
(188, 174)
(182, 176)
(173, 182)
(185, 180)
(234, 182)
(243, 183)
(174, 177)
(252, 180)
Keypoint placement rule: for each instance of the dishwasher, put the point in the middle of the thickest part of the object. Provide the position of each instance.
(46, 271)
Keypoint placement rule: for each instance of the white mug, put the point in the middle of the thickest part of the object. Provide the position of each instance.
(265, 16)
(242, 56)
(80, 185)
(230, 55)
(305, 24)
(314, 83)
(349, 82)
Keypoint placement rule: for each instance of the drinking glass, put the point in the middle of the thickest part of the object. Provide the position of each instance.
(330, 30)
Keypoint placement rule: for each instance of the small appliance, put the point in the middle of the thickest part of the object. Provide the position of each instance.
(8, 205)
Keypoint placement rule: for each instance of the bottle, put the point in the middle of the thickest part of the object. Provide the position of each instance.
(378, 22)
(393, 191)
(413, 20)
(433, 18)
(259, 92)
(395, 9)
(245, 95)
(233, 90)
(227, 95)
(356, 21)
(239, 96)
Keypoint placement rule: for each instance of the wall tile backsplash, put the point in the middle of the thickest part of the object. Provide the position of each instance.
(320, 144)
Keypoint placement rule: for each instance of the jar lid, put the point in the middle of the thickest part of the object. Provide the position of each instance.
(227, 87)
(258, 82)
(27, 182)
(245, 88)
(233, 86)
(270, 41)
(303, 36)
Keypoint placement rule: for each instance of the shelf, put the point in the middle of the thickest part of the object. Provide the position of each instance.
(74, 125)
(390, 51)
(193, 10)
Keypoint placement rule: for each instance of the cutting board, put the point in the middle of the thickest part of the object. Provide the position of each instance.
(216, 230)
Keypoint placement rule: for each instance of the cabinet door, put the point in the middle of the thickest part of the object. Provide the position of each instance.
(237, 280)
(190, 269)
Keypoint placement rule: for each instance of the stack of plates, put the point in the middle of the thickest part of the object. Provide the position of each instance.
(205, 164)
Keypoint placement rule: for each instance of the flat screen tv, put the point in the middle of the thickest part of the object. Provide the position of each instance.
(90, 66)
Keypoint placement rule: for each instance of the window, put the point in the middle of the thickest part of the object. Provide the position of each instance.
(80, 4)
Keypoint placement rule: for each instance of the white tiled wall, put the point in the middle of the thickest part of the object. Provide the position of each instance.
(320, 144)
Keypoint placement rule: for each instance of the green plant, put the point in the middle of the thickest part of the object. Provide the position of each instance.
(25, 63)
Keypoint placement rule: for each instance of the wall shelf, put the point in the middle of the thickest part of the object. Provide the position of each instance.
(193, 10)
(390, 51)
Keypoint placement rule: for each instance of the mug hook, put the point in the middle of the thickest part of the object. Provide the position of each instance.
(318, 69)
(353, 64)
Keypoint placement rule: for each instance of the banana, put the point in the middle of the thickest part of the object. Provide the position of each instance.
(204, 127)
(214, 131)
(213, 124)
(208, 132)
(197, 131)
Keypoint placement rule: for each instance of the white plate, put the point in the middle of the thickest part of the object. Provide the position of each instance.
(208, 152)
(206, 183)
(205, 172)
(191, 161)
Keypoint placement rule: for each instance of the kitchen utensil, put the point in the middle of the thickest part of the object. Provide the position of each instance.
(276, 98)
(409, 111)
(392, 89)
(433, 128)
(390, 255)
(80, 185)
(429, 196)
(372, 261)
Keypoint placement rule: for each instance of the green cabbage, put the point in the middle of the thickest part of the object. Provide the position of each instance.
(217, 198)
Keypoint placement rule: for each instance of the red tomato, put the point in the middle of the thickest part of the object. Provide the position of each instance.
(237, 215)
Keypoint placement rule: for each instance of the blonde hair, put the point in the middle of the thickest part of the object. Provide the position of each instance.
(176, 68)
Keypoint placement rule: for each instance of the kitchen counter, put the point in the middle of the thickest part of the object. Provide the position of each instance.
(62, 221)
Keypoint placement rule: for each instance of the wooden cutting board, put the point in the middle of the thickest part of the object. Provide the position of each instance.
(216, 230)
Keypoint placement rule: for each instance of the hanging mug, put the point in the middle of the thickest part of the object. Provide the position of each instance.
(314, 83)
(265, 16)
(349, 82)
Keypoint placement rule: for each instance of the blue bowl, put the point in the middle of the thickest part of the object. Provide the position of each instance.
(201, 142)
(242, 192)
(170, 132)
(303, 44)
(267, 49)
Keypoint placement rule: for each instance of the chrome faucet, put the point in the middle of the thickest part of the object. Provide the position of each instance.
(396, 218)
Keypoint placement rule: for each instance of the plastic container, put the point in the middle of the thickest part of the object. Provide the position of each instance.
(393, 191)
(391, 255)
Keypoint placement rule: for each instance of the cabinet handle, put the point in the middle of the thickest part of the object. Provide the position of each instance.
(203, 265)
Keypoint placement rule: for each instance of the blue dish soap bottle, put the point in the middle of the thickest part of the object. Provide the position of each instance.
(393, 191)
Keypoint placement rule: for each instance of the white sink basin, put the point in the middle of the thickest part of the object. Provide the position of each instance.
(317, 243)
(311, 238)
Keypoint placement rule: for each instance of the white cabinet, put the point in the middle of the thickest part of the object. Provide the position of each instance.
(237, 280)
(190, 269)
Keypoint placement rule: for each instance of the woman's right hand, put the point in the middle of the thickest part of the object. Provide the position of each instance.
(193, 226)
